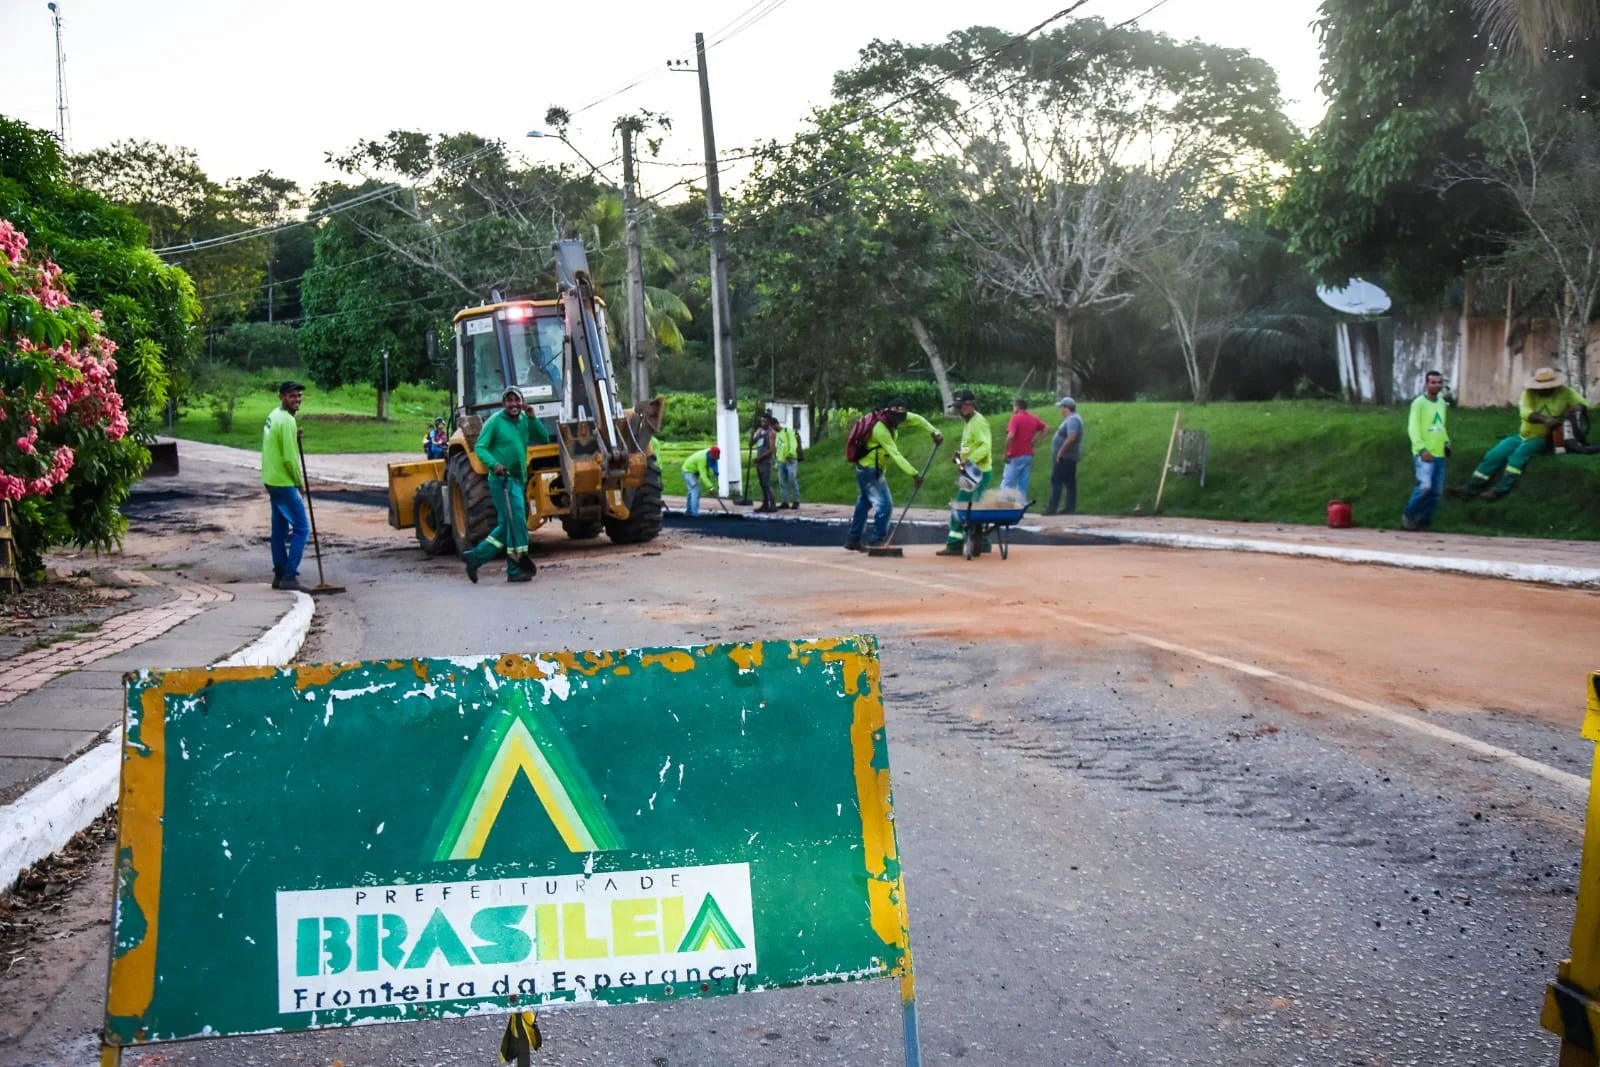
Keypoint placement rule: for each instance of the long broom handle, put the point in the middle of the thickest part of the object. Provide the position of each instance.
(311, 512)
(915, 489)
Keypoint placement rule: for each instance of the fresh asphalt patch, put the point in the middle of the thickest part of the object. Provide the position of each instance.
(804, 532)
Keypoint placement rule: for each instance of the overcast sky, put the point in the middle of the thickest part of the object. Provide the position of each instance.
(253, 86)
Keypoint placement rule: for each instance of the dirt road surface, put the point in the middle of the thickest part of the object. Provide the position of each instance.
(1156, 807)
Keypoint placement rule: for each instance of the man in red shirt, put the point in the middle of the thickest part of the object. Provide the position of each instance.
(1022, 434)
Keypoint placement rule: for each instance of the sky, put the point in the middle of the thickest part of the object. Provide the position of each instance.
(255, 86)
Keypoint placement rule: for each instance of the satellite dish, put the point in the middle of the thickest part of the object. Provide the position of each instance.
(1357, 297)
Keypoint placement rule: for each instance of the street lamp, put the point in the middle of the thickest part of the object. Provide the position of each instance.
(594, 168)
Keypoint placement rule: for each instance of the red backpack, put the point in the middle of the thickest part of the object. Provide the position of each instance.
(859, 442)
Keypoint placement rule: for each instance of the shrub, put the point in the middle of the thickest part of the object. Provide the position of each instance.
(66, 459)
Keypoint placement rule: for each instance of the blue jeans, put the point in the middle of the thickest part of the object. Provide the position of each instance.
(290, 530)
(1430, 484)
(691, 483)
(789, 481)
(1016, 475)
(873, 492)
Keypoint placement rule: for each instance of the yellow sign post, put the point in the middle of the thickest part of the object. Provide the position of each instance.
(1572, 1001)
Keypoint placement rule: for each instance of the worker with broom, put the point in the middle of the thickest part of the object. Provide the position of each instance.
(870, 440)
(502, 446)
(975, 462)
(281, 474)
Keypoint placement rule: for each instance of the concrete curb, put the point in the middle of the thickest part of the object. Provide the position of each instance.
(43, 819)
(1542, 573)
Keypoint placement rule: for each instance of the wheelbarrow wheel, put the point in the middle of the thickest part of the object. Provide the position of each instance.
(969, 543)
(1005, 545)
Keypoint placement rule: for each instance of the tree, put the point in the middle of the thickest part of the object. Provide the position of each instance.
(603, 228)
(148, 308)
(843, 240)
(1077, 146)
(1545, 162)
(166, 189)
(1534, 26)
(66, 459)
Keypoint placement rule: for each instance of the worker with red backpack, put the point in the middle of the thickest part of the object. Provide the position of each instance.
(871, 440)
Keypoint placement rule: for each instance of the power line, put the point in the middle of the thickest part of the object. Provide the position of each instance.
(320, 213)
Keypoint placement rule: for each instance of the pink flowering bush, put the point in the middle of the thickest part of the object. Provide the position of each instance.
(66, 460)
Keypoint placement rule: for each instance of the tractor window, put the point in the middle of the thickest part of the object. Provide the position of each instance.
(482, 352)
(536, 356)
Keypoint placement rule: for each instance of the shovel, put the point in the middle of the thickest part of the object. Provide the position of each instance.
(889, 548)
(322, 585)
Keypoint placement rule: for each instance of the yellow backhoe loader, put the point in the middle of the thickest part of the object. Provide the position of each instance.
(597, 473)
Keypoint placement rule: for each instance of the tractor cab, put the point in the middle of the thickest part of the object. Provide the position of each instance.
(515, 344)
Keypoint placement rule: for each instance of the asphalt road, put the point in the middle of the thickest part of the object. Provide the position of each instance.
(1117, 850)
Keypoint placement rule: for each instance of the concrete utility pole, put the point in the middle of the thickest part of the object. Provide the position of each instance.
(721, 315)
(639, 376)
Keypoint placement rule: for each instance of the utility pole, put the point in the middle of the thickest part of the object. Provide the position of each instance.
(62, 125)
(639, 376)
(721, 315)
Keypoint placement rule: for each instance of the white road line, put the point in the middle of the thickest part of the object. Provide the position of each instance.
(1572, 782)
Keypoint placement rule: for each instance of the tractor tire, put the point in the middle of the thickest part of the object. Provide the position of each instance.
(581, 529)
(644, 511)
(471, 507)
(427, 512)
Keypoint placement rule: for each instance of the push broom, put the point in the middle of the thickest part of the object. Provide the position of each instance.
(889, 548)
(322, 585)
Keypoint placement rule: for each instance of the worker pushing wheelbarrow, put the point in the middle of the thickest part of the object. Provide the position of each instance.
(971, 522)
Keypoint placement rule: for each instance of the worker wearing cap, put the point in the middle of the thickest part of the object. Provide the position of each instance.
(700, 465)
(1547, 399)
(502, 446)
(281, 473)
(1066, 448)
(974, 455)
(872, 486)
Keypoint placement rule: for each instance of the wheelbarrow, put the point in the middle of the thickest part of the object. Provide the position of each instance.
(979, 523)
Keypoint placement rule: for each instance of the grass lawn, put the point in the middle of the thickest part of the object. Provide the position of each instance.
(338, 420)
(1269, 462)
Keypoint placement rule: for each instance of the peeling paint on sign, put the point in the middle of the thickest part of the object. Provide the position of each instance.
(382, 841)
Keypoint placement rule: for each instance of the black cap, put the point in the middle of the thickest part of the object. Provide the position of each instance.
(898, 402)
(291, 386)
(964, 396)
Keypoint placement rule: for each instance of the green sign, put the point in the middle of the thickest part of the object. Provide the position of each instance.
(325, 845)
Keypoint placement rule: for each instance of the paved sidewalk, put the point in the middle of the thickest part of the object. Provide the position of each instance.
(57, 701)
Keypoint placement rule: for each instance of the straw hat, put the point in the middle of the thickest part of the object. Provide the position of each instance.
(1545, 378)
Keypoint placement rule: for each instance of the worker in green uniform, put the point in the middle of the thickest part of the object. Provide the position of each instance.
(503, 445)
(975, 452)
(285, 482)
(700, 467)
(872, 485)
(1546, 400)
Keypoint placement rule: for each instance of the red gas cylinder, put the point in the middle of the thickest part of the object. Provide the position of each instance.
(1338, 513)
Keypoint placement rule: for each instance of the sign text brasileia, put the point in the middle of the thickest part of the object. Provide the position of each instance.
(324, 845)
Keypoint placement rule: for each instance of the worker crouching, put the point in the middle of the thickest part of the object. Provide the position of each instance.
(502, 446)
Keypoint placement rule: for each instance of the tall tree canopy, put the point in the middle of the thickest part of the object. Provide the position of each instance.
(1076, 147)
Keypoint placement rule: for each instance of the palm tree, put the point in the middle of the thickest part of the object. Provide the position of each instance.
(1531, 26)
(604, 233)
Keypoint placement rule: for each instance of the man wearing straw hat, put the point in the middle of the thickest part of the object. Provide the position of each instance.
(1547, 399)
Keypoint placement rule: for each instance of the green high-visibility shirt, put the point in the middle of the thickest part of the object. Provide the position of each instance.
(976, 443)
(280, 450)
(701, 464)
(1556, 403)
(882, 443)
(788, 444)
(1427, 426)
(506, 441)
